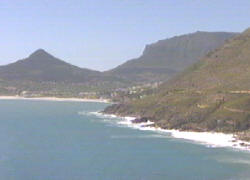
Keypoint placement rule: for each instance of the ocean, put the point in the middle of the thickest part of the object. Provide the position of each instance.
(46, 140)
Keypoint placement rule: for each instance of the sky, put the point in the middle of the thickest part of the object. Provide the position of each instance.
(101, 34)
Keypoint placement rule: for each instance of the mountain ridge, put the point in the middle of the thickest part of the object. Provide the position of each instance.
(163, 59)
(42, 72)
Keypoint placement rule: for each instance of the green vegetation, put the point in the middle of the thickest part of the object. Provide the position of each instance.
(204, 97)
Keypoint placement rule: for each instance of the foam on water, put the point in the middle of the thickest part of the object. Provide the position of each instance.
(234, 160)
(210, 139)
(139, 136)
(45, 140)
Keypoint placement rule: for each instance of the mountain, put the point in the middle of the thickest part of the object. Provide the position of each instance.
(165, 58)
(42, 74)
(158, 62)
(41, 66)
(211, 95)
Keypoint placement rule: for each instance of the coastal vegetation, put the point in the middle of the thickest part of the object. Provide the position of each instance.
(211, 95)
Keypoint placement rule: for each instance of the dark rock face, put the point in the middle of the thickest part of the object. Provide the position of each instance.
(140, 120)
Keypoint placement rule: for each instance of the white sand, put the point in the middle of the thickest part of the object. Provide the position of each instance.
(53, 99)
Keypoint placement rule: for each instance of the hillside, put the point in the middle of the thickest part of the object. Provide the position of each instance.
(165, 58)
(43, 74)
(41, 66)
(211, 95)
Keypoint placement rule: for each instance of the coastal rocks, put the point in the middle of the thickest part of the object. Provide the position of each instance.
(140, 120)
(245, 145)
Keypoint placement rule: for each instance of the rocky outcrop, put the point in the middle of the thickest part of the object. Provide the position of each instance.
(140, 120)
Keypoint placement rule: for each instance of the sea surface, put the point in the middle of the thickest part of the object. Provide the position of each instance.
(43, 140)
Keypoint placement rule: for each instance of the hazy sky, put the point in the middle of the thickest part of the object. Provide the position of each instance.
(101, 34)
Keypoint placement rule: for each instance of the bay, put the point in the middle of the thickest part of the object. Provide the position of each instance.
(45, 140)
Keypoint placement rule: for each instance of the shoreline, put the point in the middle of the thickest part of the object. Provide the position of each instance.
(54, 99)
(210, 139)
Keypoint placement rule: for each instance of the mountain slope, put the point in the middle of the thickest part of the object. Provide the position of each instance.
(165, 58)
(41, 66)
(211, 95)
(42, 74)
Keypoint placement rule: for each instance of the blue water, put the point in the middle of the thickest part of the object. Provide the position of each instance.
(42, 140)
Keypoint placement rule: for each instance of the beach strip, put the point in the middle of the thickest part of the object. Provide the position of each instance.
(54, 99)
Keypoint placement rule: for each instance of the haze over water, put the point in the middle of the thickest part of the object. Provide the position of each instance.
(42, 140)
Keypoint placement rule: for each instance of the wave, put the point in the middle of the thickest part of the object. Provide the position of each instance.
(97, 114)
(138, 136)
(210, 139)
(235, 160)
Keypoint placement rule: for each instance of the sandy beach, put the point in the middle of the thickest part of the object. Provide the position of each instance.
(54, 99)
(210, 139)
